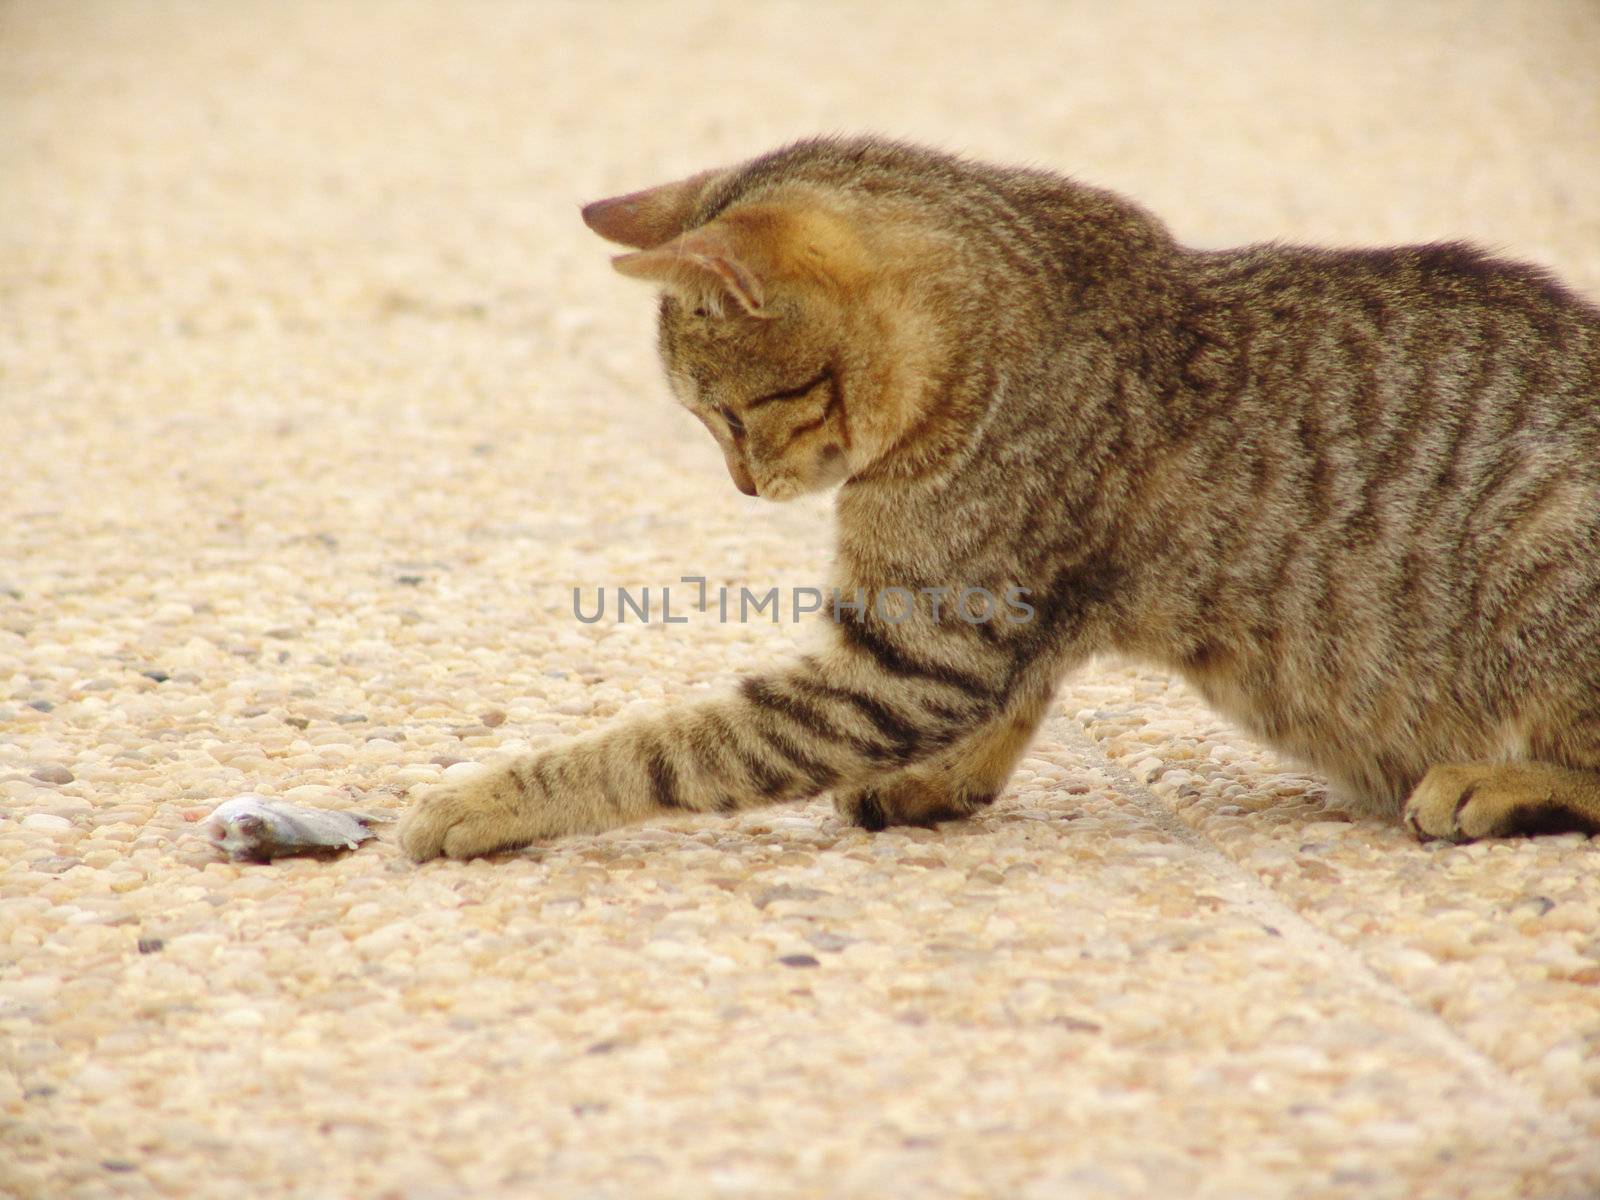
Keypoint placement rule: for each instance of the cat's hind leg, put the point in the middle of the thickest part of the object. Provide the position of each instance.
(955, 785)
(1462, 801)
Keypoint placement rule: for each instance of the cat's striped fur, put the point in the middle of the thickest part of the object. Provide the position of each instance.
(1352, 496)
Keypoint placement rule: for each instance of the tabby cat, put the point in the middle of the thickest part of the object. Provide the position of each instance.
(1353, 497)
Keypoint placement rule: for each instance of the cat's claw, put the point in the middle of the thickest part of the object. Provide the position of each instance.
(479, 815)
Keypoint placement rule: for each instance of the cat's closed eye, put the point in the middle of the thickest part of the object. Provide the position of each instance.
(735, 425)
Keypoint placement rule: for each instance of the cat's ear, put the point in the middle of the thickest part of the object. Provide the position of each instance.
(649, 218)
(706, 266)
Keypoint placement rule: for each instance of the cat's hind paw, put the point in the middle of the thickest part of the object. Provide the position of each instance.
(1464, 801)
(479, 815)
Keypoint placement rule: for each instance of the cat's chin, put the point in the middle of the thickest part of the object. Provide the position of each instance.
(782, 491)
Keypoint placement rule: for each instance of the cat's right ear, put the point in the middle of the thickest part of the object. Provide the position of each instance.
(705, 267)
(647, 219)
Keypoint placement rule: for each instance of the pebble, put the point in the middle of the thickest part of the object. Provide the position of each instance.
(46, 822)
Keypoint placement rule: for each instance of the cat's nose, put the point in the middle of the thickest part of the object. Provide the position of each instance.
(742, 479)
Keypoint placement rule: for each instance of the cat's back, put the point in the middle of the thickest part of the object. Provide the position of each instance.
(1448, 300)
(1439, 366)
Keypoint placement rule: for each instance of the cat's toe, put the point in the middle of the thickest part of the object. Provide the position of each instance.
(1433, 807)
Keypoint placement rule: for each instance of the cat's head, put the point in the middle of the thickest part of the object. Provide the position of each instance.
(786, 324)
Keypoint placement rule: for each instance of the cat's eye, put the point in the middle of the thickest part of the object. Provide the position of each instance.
(735, 425)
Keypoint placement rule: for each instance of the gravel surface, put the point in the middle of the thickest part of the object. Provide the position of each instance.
(317, 402)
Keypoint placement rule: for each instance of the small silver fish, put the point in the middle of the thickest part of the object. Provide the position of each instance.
(253, 828)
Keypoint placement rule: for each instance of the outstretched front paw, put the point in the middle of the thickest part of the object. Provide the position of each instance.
(479, 815)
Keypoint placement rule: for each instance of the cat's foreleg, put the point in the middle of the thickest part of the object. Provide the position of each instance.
(1462, 801)
(954, 784)
(865, 709)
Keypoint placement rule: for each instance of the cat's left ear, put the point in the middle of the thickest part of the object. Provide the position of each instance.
(705, 266)
(648, 218)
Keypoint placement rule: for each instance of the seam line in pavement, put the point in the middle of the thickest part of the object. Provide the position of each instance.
(1256, 897)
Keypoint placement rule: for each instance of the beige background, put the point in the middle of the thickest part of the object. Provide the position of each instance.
(315, 397)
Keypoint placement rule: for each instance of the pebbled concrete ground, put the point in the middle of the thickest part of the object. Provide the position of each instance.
(316, 400)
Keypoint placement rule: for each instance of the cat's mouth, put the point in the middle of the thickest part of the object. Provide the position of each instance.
(827, 470)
